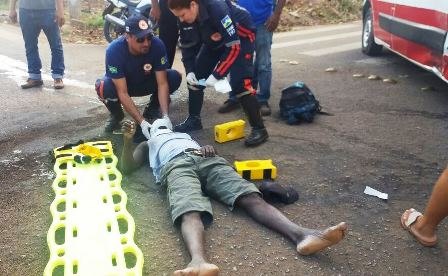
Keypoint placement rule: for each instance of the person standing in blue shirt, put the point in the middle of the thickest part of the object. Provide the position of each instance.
(36, 16)
(217, 37)
(137, 65)
(266, 19)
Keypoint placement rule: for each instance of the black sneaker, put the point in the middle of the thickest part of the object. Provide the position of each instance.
(228, 106)
(152, 112)
(113, 123)
(265, 109)
(256, 137)
(274, 192)
(192, 123)
(139, 136)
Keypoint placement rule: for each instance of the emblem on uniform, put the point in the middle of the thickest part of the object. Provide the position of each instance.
(147, 68)
(163, 60)
(112, 69)
(226, 21)
(143, 24)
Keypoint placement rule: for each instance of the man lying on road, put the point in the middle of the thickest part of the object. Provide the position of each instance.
(189, 171)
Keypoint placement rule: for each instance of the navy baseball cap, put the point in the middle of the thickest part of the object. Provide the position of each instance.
(137, 25)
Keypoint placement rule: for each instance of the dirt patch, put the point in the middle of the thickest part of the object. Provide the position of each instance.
(296, 13)
(315, 12)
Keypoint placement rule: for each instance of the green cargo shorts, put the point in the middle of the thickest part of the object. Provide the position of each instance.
(190, 181)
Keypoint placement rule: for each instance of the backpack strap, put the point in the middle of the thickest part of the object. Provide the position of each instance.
(324, 113)
(319, 110)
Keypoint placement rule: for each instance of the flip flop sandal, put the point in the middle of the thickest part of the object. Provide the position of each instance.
(407, 222)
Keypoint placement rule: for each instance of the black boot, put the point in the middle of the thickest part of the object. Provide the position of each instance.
(256, 137)
(115, 117)
(152, 110)
(195, 101)
(251, 107)
(192, 123)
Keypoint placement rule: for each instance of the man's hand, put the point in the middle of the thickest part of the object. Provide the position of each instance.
(191, 79)
(145, 129)
(167, 121)
(131, 157)
(13, 16)
(208, 151)
(272, 22)
(60, 20)
(128, 128)
(155, 13)
(211, 80)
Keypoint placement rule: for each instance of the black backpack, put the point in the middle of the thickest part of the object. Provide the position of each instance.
(298, 104)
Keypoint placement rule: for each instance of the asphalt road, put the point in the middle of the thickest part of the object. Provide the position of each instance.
(391, 137)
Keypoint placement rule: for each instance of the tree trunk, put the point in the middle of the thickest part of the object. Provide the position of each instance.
(74, 7)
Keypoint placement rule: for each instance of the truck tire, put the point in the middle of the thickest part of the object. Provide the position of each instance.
(369, 47)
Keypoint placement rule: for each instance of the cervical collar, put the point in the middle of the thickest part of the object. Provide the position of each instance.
(159, 127)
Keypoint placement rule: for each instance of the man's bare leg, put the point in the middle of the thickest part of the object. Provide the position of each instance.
(436, 209)
(193, 235)
(308, 241)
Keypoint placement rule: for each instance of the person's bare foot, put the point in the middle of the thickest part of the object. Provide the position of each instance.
(319, 240)
(198, 269)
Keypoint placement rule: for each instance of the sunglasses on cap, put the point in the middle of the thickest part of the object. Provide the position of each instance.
(142, 39)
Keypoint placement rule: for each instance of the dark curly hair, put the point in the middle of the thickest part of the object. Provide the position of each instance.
(180, 4)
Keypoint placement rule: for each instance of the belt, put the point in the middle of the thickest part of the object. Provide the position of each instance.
(197, 152)
(192, 151)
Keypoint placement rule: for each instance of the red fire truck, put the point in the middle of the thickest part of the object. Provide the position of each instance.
(414, 29)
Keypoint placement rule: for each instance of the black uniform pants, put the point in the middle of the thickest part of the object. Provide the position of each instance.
(242, 69)
(168, 30)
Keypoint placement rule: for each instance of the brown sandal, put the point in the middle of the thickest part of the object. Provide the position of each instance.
(408, 218)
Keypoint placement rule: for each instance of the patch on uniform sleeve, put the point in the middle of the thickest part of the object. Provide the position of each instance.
(231, 30)
(112, 69)
(163, 60)
(226, 21)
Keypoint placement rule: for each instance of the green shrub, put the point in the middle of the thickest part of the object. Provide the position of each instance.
(93, 21)
(349, 6)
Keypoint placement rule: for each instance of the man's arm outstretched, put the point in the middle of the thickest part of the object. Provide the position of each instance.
(132, 157)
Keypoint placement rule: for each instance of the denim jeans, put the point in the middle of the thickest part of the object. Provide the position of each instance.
(32, 22)
(263, 69)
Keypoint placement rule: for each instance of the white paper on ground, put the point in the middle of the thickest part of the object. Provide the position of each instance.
(373, 192)
(223, 86)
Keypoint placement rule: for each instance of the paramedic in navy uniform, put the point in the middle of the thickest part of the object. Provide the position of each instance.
(217, 37)
(137, 65)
